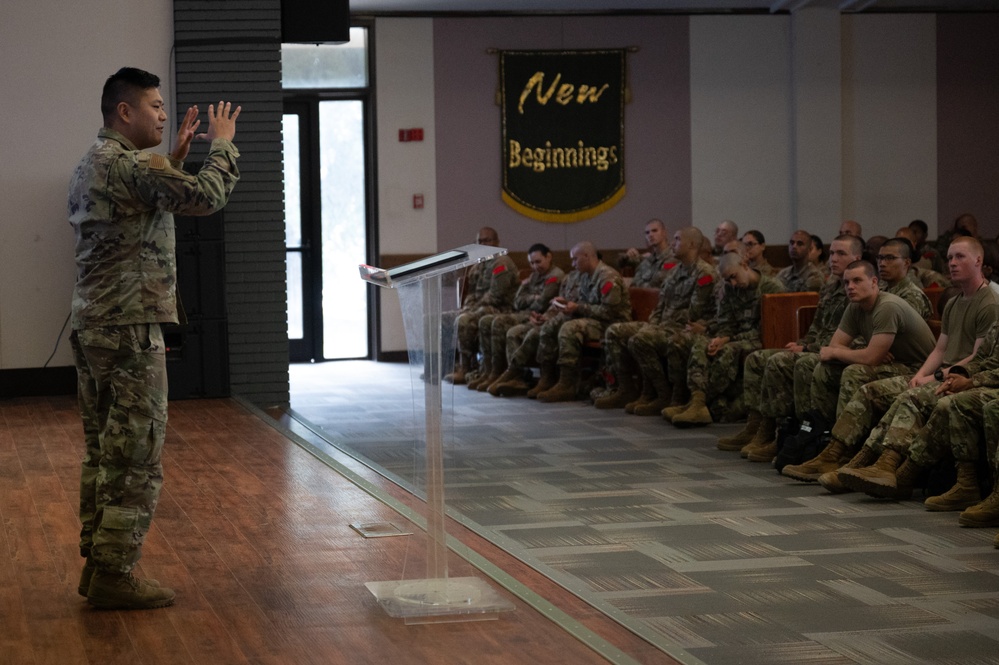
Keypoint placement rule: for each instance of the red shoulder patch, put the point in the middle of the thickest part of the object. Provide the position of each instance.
(551, 280)
(499, 269)
(669, 265)
(606, 288)
(928, 255)
(705, 280)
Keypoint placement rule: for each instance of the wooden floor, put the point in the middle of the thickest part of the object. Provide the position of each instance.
(252, 531)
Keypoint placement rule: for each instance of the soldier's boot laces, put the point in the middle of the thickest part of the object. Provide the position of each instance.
(985, 513)
(830, 459)
(963, 494)
(741, 438)
(567, 388)
(696, 413)
(123, 591)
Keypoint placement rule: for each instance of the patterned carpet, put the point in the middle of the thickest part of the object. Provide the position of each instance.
(710, 557)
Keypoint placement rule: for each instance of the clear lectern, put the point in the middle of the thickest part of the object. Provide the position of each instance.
(428, 295)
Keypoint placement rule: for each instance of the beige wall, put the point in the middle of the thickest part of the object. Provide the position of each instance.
(405, 99)
(889, 121)
(740, 122)
(57, 55)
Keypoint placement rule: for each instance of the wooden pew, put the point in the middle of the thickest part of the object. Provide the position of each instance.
(779, 317)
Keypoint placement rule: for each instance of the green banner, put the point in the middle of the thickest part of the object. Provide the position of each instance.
(563, 132)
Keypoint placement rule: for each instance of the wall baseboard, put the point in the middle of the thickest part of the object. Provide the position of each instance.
(37, 382)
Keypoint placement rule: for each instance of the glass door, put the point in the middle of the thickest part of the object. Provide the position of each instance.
(326, 229)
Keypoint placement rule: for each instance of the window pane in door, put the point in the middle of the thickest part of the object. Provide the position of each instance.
(341, 169)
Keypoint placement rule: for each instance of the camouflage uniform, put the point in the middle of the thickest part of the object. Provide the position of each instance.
(522, 339)
(990, 416)
(532, 296)
(764, 268)
(121, 205)
(651, 270)
(491, 287)
(913, 294)
(926, 426)
(834, 383)
(928, 279)
(809, 278)
(769, 373)
(686, 294)
(874, 402)
(739, 319)
(603, 299)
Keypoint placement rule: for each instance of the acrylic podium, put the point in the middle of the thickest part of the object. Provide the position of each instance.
(428, 295)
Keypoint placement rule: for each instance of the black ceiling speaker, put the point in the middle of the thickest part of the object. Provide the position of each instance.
(315, 21)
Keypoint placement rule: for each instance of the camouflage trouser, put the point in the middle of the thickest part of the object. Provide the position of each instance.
(833, 383)
(648, 347)
(752, 376)
(990, 414)
(716, 375)
(954, 425)
(677, 355)
(122, 393)
(616, 340)
(467, 323)
(563, 344)
(492, 332)
(803, 373)
(900, 425)
(866, 408)
(523, 341)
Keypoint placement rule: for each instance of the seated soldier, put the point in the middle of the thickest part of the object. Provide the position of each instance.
(802, 274)
(894, 261)
(851, 228)
(955, 411)
(755, 245)
(648, 265)
(522, 341)
(726, 232)
(715, 357)
(603, 300)
(986, 512)
(768, 386)
(534, 295)
(490, 287)
(898, 342)
(817, 255)
(966, 322)
(687, 294)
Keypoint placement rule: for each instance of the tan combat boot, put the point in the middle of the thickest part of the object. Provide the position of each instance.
(627, 391)
(510, 383)
(567, 388)
(833, 456)
(878, 480)
(830, 480)
(741, 438)
(696, 413)
(647, 394)
(985, 513)
(549, 375)
(482, 374)
(764, 439)
(964, 493)
(123, 591)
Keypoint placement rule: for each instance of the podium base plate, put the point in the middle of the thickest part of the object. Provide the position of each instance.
(440, 600)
